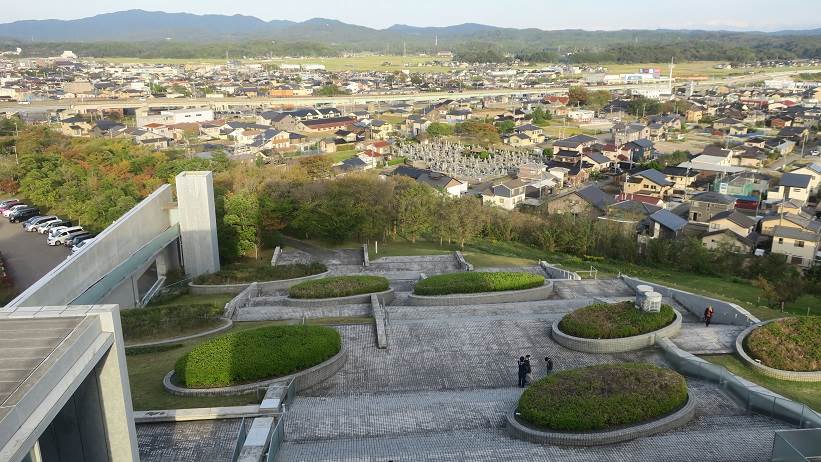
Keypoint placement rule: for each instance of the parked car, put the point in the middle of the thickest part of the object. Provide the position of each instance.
(23, 214)
(9, 211)
(8, 203)
(78, 238)
(78, 246)
(61, 237)
(29, 224)
(45, 227)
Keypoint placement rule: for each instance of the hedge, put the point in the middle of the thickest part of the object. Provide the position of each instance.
(475, 282)
(256, 354)
(239, 273)
(792, 344)
(141, 322)
(339, 286)
(602, 397)
(619, 320)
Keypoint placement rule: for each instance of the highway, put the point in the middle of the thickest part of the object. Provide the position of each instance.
(263, 102)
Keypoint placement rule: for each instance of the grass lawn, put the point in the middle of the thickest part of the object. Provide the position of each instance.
(808, 393)
(191, 299)
(339, 156)
(145, 373)
(7, 294)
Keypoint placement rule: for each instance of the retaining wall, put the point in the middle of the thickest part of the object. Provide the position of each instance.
(614, 345)
(379, 316)
(463, 264)
(275, 256)
(384, 297)
(554, 272)
(365, 260)
(280, 313)
(302, 380)
(241, 300)
(723, 312)
(264, 286)
(510, 296)
(677, 419)
(793, 376)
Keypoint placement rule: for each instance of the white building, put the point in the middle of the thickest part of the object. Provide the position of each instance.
(581, 115)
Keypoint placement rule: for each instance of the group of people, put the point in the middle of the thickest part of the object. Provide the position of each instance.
(526, 370)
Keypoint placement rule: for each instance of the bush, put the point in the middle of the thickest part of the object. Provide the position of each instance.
(142, 322)
(618, 320)
(790, 344)
(603, 396)
(475, 282)
(239, 273)
(339, 286)
(256, 354)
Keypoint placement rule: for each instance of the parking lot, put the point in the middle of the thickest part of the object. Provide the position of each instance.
(27, 255)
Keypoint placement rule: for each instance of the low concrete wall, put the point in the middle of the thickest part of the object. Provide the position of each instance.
(202, 413)
(723, 312)
(677, 419)
(379, 316)
(227, 324)
(302, 380)
(264, 286)
(281, 313)
(509, 296)
(614, 345)
(240, 300)
(793, 376)
(384, 297)
(554, 272)
(275, 256)
(463, 264)
(365, 260)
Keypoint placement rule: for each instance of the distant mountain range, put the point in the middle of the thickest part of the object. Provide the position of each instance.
(139, 25)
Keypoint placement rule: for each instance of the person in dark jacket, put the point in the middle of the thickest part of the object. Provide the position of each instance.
(528, 371)
(522, 372)
(548, 364)
(708, 315)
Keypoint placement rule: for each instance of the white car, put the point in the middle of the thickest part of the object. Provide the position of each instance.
(62, 236)
(56, 230)
(46, 227)
(82, 244)
(8, 212)
(815, 152)
(32, 226)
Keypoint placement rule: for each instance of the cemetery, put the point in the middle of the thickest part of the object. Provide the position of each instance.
(459, 161)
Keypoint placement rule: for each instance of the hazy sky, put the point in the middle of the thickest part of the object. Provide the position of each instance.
(765, 15)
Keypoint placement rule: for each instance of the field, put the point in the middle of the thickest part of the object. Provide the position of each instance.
(695, 69)
(334, 64)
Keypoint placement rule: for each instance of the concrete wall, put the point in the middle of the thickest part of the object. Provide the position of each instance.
(723, 312)
(554, 272)
(115, 244)
(510, 296)
(198, 223)
(614, 345)
(793, 376)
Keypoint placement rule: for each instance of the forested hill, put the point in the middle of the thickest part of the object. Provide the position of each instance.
(138, 33)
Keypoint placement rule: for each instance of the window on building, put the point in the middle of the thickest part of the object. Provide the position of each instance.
(781, 240)
(799, 243)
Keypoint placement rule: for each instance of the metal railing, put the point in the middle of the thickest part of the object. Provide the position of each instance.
(752, 399)
(241, 435)
(277, 438)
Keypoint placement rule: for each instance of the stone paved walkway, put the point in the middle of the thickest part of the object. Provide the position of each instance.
(716, 339)
(200, 441)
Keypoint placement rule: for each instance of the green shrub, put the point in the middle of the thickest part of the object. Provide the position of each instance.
(339, 286)
(601, 321)
(142, 322)
(475, 282)
(603, 396)
(256, 354)
(243, 273)
(792, 344)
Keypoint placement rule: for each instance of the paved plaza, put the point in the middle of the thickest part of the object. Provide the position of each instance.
(442, 388)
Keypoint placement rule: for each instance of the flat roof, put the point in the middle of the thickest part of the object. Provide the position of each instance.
(24, 345)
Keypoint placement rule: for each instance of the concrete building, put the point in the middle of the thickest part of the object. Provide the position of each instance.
(800, 247)
(792, 186)
(64, 393)
(127, 262)
(704, 206)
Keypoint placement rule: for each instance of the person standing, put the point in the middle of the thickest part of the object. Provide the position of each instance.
(528, 371)
(708, 315)
(548, 364)
(522, 372)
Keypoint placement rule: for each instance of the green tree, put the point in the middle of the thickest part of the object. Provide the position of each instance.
(598, 99)
(506, 126)
(317, 167)
(478, 132)
(643, 106)
(578, 95)
(242, 218)
(331, 90)
(415, 204)
(437, 129)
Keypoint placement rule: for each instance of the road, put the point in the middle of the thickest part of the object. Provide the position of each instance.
(87, 104)
(27, 255)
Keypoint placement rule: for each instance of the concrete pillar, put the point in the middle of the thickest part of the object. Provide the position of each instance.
(115, 394)
(198, 223)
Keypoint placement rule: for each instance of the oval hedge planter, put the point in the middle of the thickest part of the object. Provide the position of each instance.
(614, 345)
(227, 324)
(522, 431)
(781, 374)
(385, 297)
(233, 289)
(302, 380)
(506, 296)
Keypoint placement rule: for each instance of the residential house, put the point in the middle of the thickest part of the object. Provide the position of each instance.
(598, 162)
(534, 132)
(662, 224)
(75, 126)
(799, 246)
(575, 143)
(589, 202)
(704, 206)
(649, 182)
(729, 239)
(380, 129)
(752, 157)
(730, 125)
(506, 195)
(640, 150)
(793, 186)
(682, 178)
(798, 221)
(625, 133)
(733, 220)
(814, 172)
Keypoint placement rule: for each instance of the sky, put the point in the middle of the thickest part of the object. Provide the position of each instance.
(764, 15)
